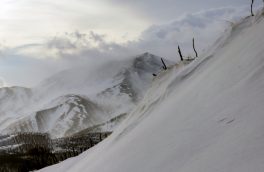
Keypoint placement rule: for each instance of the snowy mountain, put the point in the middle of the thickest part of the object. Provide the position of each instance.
(205, 117)
(69, 114)
(79, 98)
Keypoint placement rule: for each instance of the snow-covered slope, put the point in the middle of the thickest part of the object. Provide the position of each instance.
(206, 117)
(69, 114)
(79, 98)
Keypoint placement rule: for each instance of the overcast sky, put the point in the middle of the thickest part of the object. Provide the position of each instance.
(26, 21)
(41, 37)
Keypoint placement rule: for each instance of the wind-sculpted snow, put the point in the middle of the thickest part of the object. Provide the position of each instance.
(205, 117)
(79, 98)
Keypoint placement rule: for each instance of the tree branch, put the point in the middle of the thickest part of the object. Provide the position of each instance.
(164, 65)
(179, 50)
(196, 54)
(252, 2)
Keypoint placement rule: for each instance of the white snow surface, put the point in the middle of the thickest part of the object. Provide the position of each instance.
(206, 117)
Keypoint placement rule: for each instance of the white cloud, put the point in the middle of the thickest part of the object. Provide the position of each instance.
(30, 63)
(2, 82)
(165, 10)
(28, 21)
(204, 26)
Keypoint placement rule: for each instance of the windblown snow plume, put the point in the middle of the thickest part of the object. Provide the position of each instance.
(79, 99)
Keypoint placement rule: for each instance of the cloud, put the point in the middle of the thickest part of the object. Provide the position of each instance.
(97, 37)
(84, 46)
(30, 63)
(31, 20)
(204, 26)
(2, 82)
(160, 11)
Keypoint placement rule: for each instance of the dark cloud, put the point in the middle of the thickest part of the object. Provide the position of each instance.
(61, 44)
(97, 37)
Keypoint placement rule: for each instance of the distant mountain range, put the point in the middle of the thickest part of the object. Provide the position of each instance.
(79, 99)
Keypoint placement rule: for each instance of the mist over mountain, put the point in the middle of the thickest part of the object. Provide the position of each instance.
(78, 98)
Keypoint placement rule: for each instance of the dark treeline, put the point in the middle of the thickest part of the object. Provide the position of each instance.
(23, 152)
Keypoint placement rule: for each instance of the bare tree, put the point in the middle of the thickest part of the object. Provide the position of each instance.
(252, 2)
(196, 54)
(179, 50)
(164, 65)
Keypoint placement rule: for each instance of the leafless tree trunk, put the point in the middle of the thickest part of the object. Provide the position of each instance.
(179, 50)
(196, 54)
(252, 2)
(164, 65)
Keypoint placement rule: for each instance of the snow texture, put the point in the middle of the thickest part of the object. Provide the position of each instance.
(206, 117)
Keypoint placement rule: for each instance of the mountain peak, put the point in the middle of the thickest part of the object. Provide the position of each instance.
(116, 86)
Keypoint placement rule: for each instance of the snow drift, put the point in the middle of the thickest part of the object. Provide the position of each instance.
(205, 117)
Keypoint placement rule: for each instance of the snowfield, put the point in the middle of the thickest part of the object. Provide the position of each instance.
(206, 117)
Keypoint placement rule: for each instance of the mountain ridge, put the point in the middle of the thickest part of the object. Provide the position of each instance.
(46, 109)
